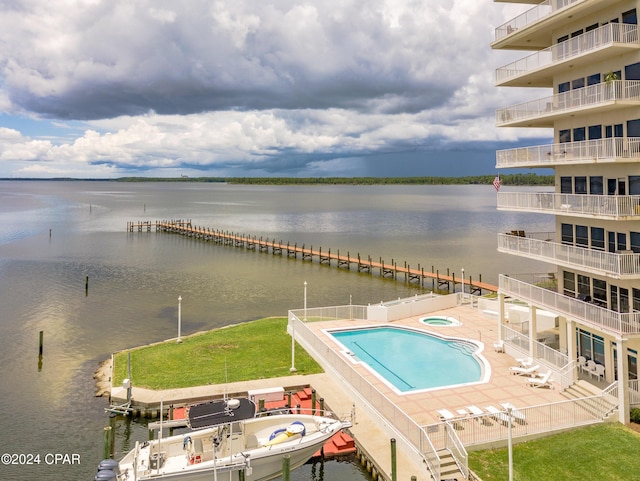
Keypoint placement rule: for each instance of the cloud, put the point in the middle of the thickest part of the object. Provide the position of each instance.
(284, 86)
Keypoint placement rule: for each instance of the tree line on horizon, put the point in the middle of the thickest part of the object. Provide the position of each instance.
(507, 179)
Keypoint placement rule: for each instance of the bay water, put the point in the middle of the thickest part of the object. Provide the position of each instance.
(56, 234)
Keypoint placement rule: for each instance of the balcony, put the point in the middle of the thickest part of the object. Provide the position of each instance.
(603, 96)
(587, 314)
(610, 264)
(534, 28)
(606, 207)
(619, 149)
(538, 69)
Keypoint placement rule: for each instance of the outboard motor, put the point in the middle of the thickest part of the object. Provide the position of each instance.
(107, 470)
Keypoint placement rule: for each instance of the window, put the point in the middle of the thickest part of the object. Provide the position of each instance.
(579, 134)
(634, 185)
(596, 186)
(600, 291)
(636, 299)
(569, 283)
(577, 83)
(593, 79)
(634, 238)
(564, 87)
(630, 17)
(595, 132)
(584, 286)
(633, 128)
(597, 238)
(566, 185)
(564, 136)
(581, 185)
(582, 235)
(567, 234)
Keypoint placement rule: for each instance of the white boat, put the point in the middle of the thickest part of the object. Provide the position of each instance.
(255, 446)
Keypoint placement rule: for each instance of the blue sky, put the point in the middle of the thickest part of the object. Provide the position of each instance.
(111, 88)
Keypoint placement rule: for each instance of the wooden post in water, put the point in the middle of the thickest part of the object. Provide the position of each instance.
(40, 350)
(394, 470)
(321, 413)
(106, 442)
(286, 467)
(86, 286)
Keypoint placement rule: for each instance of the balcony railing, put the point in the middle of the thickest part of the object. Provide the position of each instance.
(607, 263)
(598, 39)
(586, 151)
(580, 311)
(532, 15)
(576, 99)
(613, 207)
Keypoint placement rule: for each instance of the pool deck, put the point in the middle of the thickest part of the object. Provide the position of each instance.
(420, 406)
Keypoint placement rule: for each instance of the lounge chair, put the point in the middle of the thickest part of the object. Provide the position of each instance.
(544, 381)
(525, 361)
(497, 414)
(446, 415)
(478, 413)
(517, 415)
(524, 371)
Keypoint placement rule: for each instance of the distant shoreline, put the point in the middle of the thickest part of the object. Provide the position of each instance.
(508, 179)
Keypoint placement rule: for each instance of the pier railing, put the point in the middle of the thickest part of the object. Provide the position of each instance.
(414, 437)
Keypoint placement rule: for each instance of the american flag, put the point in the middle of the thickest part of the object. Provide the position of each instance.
(496, 183)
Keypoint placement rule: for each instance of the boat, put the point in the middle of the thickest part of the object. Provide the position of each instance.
(255, 445)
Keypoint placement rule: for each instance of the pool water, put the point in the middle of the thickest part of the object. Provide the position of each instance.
(440, 321)
(410, 360)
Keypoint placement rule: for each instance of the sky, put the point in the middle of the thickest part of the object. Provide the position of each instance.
(162, 88)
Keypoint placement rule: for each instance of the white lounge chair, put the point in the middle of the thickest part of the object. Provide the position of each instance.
(524, 371)
(517, 415)
(497, 414)
(446, 415)
(478, 413)
(544, 381)
(525, 361)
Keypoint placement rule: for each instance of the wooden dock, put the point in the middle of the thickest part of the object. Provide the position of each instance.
(393, 270)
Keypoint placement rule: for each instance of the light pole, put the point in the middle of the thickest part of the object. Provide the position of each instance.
(510, 443)
(179, 318)
(462, 283)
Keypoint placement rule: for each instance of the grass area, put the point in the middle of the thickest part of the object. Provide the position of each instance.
(594, 453)
(253, 350)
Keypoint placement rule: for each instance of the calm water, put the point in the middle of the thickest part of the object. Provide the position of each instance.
(54, 234)
(412, 360)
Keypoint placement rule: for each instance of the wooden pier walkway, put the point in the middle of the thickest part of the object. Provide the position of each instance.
(391, 270)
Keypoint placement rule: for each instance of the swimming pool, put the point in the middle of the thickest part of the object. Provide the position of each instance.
(410, 360)
(440, 321)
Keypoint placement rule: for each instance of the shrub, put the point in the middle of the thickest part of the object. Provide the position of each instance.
(635, 415)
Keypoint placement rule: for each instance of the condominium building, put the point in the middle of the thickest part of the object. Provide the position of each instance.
(587, 54)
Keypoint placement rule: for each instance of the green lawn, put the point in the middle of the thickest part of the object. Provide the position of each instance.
(595, 453)
(253, 350)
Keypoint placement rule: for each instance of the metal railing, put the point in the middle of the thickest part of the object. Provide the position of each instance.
(532, 15)
(613, 206)
(607, 35)
(590, 96)
(546, 418)
(625, 265)
(519, 341)
(585, 151)
(455, 446)
(587, 313)
(414, 434)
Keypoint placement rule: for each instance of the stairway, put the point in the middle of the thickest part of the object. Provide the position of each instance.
(583, 389)
(448, 468)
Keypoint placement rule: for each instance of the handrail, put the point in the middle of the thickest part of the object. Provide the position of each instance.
(592, 95)
(613, 264)
(534, 14)
(587, 313)
(597, 150)
(457, 449)
(598, 38)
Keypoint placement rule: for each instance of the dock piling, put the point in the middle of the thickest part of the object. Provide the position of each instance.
(394, 469)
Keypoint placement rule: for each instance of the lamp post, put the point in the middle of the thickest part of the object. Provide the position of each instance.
(179, 319)
(462, 283)
(510, 443)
